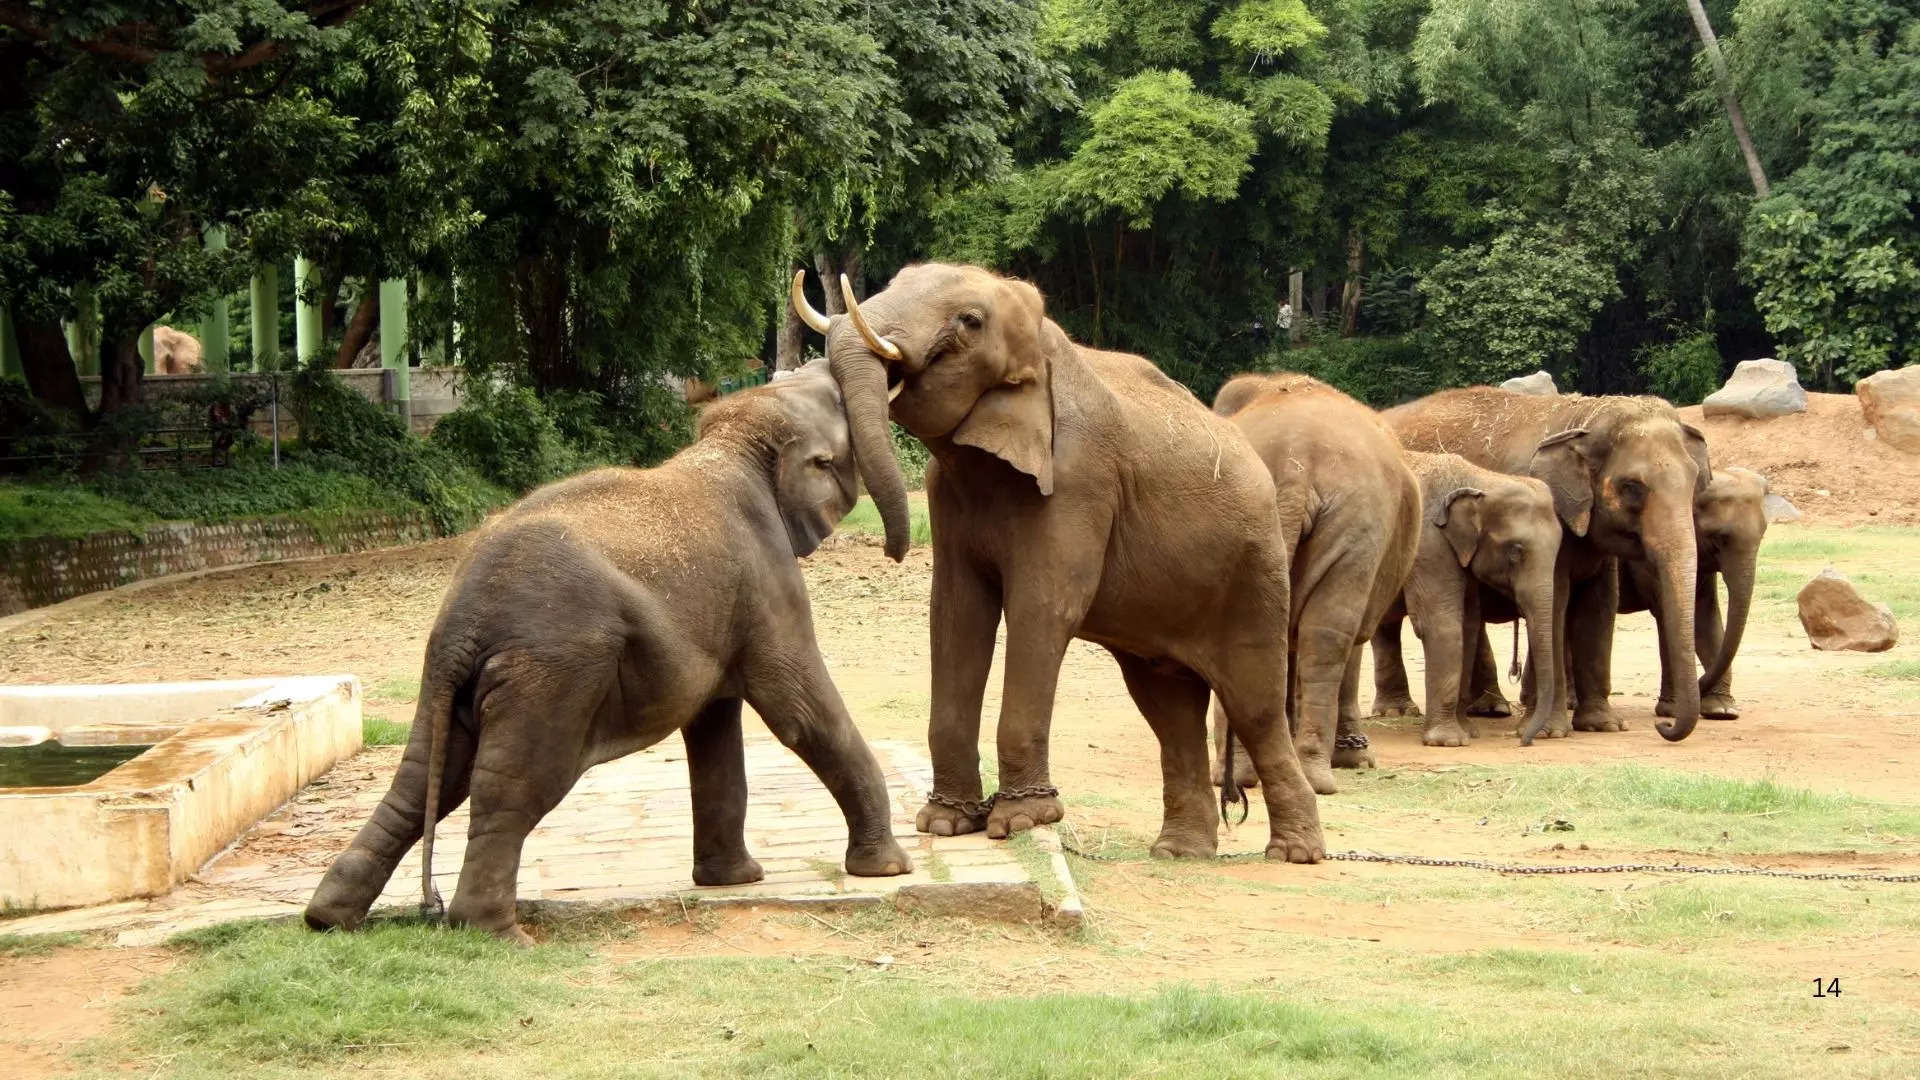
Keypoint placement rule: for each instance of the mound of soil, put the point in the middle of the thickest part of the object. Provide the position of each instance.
(1826, 461)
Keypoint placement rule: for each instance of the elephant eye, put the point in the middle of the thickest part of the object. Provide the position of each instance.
(822, 461)
(970, 319)
(1516, 551)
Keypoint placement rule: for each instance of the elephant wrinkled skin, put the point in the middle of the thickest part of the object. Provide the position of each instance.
(1624, 473)
(1489, 549)
(607, 611)
(1081, 494)
(1349, 512)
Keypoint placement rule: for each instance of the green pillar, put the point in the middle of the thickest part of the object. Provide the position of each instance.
(393, 343)
(146, 348)
(9, 345)
(306, 308)
(83, 333)
(213, 329)
(265, 317)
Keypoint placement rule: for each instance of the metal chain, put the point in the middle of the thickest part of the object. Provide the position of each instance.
(1353, 740)
(981, 808)
(1526, 868)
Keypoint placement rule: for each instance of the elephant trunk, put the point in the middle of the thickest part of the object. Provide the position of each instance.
(1675, 555)
(1739, 573)
(862, 376)
(1535, 598)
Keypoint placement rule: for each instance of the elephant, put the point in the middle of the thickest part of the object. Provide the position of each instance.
(176, 352)
(1624, 473)
(1729, 521)
(603, 613)
(1349, 518)
(1489, 549)
(1082, 494)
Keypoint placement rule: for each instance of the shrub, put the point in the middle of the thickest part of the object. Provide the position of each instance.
(1380, 371)
(29, 429)
(508, 435)
(913, 456)
(1684, 370)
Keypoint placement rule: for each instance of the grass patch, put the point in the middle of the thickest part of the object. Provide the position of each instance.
(33, 510)
(864, 519)
(830, 870)
(13, 946)
(377, 730)
(936, 867)
(1038, 863)
(1905, 670)
(391, 689)
(1877, 559)
(1638, 806)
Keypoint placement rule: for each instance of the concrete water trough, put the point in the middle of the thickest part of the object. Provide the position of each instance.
(134, 787)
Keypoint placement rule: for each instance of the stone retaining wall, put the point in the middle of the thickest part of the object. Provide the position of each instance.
(40, 571)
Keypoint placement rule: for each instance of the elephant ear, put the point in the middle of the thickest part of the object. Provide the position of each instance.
(1697, 449)
(1458, 517)
(1014, 422)
(1560, 461)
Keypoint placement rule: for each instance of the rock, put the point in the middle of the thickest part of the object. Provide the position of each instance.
(1760, 389)
(1837, 617)
(1539, 382)
(996, 901)
(1777, 509)
(1891, 402)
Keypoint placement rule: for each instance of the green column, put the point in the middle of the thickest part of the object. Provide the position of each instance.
(83, 333)
(393, 343)
(306, 309)
(146, 348)
(9, 345)
(266, 317)
(213, 329)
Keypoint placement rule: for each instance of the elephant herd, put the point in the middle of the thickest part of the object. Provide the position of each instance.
(1243, 554)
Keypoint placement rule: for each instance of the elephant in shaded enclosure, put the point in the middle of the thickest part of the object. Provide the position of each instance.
(1349, 514)
(607, 611)
(1489, 551)
(1081, 494)
(176, 352)
(1729, 521)
(1624, 473)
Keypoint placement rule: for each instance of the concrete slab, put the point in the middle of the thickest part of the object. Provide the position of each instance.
(621, 839)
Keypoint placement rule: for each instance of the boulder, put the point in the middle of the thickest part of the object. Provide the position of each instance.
(1537, 383)
(1760, 389)
(1837, 617)
(1891, 402)
(1778, 509)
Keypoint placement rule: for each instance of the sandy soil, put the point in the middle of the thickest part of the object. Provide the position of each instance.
(1827, 461)
(51, 1003)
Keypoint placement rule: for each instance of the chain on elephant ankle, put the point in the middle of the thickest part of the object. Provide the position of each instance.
(966, 807)
(1352, 740)
(1036, 791)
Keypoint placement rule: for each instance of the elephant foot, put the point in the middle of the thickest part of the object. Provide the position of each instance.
(1297, 845)
(1175, 843)
(1446, 733)
(878, 860)
(1558, 726)
(1243, 773)
(939, 819)
(515, 935)
(1010, 816)
(1353, 757)
(1392, 707)
(1598, 718)
(1491, 703)
(741, 869)
(344, 895)
(1320, 776)
(1717, 707)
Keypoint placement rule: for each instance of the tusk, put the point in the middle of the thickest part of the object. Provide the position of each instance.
(897, 387)
(812, 318)
(874, 341)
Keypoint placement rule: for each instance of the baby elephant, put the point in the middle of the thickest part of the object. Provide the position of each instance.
(602, 614)
(1489, 544)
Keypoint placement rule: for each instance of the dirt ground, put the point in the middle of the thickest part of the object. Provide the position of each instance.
(1827, 461)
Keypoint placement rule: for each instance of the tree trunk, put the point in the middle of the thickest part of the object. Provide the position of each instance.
(359, 328)
(541, 289)
(48, 366)
(830, 269)
(1735, 118)
(122, 372)
(1350, 293)
(790, 347)
(1296, 306)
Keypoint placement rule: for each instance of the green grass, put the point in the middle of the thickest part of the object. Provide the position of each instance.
(1906, 670)
(32, 510)
(17, 945)
(864, 519)
(394, 689)
(377, 730)
(1878, 559)
(1636, 806)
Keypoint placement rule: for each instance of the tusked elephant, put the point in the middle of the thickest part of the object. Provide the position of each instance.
(1489, 549)
(176, 352)
(602, 614)
(1349, 514)
(1081, 494)
(1729, 521)
(1624, 473)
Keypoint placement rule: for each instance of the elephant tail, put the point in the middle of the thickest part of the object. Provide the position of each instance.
(435, 710)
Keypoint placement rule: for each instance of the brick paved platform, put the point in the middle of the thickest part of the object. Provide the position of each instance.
(622, 838)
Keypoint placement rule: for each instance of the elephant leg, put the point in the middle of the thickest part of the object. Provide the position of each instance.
(717, 776)
(966, 614)
(1250, 691)
(1487, 700)
(1590, 618)
(804, 711)
(1391, 694)
(1350, 748)
(1709, 637)
(1174, 701)
(1042, 616)
(1243, 775)
(354, 880)
(1320, 658)
(533, 745)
